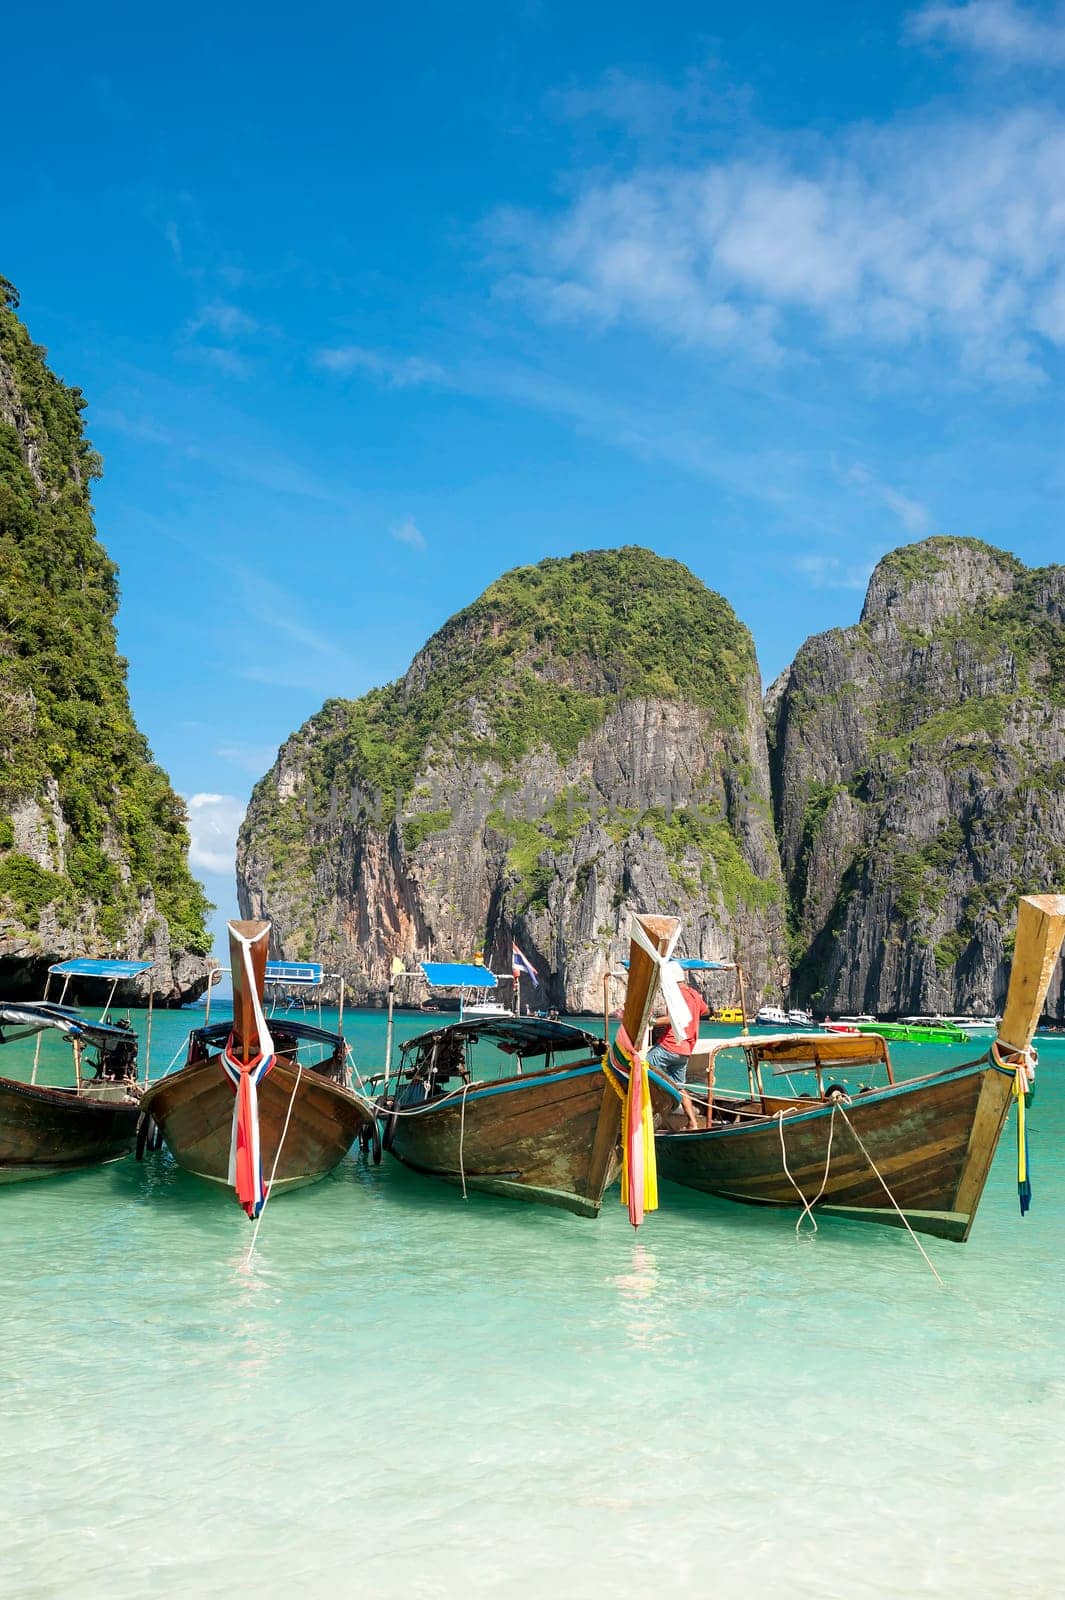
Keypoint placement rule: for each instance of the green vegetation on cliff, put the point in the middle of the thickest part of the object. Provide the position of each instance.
(545, 653)
(537, 663)
(64, 709)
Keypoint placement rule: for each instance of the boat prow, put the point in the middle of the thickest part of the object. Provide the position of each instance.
(548, 1132)
(916, 1152)
(306, 1114)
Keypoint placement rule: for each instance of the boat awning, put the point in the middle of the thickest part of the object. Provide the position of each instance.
(21, 1018)
(294, 973)
(216, 1033)
(87, 967)
(457, 975)
(516, 1036)
(791, 1052)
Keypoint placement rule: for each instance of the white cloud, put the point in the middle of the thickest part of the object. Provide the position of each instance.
(213, 823)
(997, 28)
(398, 372)
(408, 532)
(915, 237)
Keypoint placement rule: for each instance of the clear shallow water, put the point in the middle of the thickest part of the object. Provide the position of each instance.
(406, 1394)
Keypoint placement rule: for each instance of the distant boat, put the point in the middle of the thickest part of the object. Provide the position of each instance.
(44, 1130)
(732, 1015)
(917, 1032)
(918, 1150)
(974, 1027)
(771, 1017)
(547, 1131)
(800, 1019)
(259, 1106)
(487, 1008)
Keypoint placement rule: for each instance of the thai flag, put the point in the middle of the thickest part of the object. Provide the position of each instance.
(522, 964)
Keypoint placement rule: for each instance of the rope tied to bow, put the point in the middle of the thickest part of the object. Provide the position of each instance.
(1020, 1065)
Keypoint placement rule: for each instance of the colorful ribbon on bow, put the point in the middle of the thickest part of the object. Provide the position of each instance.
(245, 1149)
(1022, 1065)
(639, 1171)
(1024, 1182)
(245, 1152)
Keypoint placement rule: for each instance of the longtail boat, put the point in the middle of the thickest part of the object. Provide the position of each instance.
(548, 1133)
(248, 1109)
(46, 1130)
(915, 1152)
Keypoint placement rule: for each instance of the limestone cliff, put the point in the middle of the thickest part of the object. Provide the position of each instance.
(584, 740)
(918, 766)
(93, 842)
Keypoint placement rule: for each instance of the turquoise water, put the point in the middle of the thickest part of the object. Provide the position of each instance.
(406, 1394)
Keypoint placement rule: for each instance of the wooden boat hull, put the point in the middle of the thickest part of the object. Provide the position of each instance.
(530, 1137)
(193, 1109)
(932, 1138)
(46, 1131)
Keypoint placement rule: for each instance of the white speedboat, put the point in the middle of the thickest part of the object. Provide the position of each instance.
(977, 1027)
(487, 1008)
(800, 1019)
(772, 1017)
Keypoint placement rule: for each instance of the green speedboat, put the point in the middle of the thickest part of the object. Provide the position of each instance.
(931, 1032)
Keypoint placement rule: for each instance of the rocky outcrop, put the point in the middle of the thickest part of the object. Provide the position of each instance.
(918, 764)
(93, 842)
(583, 741)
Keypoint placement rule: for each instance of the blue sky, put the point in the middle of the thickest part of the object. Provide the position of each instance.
(373, 303)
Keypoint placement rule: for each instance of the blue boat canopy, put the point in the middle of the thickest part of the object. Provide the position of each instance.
(457, 975)
(87, 967)
(294, 972)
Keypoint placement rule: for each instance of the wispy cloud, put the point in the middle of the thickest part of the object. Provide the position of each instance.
(923, 235)
(408, 532)
(218, 357)
(651, 110)
(313, 660)
(830, 572)
(253, 758)
(399, 372)
(214, 820)
(1008, 34)
(236, 458)
(224, 318)
(915, 517)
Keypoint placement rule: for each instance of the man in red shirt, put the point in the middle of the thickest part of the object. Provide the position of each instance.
(670, 1056)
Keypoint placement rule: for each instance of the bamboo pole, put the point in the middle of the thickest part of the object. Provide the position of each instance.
(37, 1041)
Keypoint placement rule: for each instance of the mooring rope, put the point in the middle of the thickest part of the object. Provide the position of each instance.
(891, 1197)
(273, 1170)
(807, 1205)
